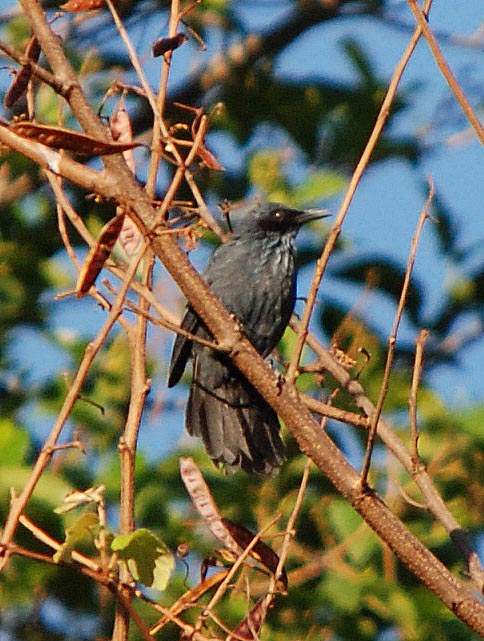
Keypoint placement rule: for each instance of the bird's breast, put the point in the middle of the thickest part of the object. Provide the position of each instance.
(270, 295)
(255, 278)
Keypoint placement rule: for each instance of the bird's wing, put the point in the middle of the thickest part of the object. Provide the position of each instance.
(259, 290)
(182, 348)
(238, 428)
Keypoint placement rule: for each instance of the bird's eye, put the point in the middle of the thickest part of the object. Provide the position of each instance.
(278, 215)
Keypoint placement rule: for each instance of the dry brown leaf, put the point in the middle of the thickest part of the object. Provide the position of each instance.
(82, 5)
(60, 138)
(249, 628)
(99, 254)
(204, 502)
(261, 552)
(164, 45)
(22, 77)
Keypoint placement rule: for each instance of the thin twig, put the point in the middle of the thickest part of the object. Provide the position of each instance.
(445, 70)
(412, 399)
(337, 414)
(433, 500)
(160, 320)
(284, 551)
(150, 96)
(128, 442)
(160, 102)
(37, 70)
(290, 527)
(63, 202)
(113, 586)
(182, 166)
(393, 337)
(352, 187)
(44, 538)
(240, 560)
(98, 577)
(61, 224)
(407, 498)
(127, 446)
(19, 503)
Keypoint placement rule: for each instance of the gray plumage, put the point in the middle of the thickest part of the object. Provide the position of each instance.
(254, 275)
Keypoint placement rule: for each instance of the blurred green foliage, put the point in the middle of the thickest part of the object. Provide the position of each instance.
(343, 584)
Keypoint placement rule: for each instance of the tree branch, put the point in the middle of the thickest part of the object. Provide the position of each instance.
(433, 500)
(119, 184)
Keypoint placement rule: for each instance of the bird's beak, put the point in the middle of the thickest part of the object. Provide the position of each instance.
(307, 215)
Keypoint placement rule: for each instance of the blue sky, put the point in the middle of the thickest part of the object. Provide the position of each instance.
(385, 210)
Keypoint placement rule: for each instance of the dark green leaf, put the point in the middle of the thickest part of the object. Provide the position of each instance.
(84, 528)
(147, 557)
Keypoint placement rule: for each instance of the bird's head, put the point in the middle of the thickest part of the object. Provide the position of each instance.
(267, 217)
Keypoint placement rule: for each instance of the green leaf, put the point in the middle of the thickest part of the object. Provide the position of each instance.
(50, 488)
(343, 592)
(164, 566)
(84, 528)
(471, 422)
(343, 518)
(14, 443)
(148, 558)
(318, 185)
(361, 62)
(266, 172)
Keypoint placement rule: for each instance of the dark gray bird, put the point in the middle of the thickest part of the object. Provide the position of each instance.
(254, 275)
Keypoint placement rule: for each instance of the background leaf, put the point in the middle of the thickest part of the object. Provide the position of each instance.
(148, 558)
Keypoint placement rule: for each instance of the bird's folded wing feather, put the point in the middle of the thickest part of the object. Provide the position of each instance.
(182, 348)
(238, 428)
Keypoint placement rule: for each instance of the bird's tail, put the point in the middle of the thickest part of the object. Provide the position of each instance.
(239, 429)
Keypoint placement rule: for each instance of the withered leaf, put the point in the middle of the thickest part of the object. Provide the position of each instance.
(164, 45)
(208, 159)
(204, 502)
(99, 254)
(205, 155)
(249, 628)
(20, 82)
(82, 5)
(121, 131)
(261, 551)
(60, 138)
